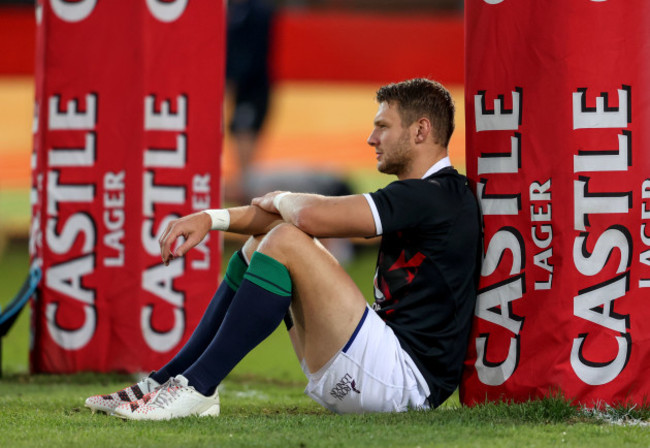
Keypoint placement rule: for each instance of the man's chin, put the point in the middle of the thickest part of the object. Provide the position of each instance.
(382, 168)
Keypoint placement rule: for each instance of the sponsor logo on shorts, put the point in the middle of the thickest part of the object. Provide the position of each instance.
(345, 385)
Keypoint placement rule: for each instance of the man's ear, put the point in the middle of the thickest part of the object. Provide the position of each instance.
(422, 129)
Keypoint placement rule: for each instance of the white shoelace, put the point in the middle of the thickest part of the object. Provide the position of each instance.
(168, 392)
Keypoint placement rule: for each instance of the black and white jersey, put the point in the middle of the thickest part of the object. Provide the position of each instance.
(427, 271)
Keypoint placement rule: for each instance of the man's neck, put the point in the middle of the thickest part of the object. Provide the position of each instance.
(440, 164)
(426, 167)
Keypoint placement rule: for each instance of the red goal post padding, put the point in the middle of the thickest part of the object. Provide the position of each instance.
(557, 108)
(128, 135)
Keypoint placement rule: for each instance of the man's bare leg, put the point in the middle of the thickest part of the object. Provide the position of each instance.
(326, 304)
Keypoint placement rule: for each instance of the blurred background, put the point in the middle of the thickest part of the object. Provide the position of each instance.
(301, 80)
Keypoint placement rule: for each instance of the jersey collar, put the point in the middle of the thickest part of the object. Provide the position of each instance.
(440, 164)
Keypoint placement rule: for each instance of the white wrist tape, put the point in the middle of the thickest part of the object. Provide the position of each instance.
(220, 218)
(278, 198)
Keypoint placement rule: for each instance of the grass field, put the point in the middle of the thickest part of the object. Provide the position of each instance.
(263, 405)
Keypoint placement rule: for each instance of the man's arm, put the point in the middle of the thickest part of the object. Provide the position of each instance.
(322, 216)
(316, 215)
(248, 220)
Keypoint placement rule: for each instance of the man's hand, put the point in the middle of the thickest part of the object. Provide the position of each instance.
(192, 227)
(266, 202)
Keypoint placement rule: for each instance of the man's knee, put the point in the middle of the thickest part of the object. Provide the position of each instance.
(251, 245)
(283, 240)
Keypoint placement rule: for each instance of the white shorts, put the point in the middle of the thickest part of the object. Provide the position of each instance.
(372, 373)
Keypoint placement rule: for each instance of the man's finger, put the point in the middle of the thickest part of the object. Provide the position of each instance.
(190, 241)
(163, 236)
(168, 243)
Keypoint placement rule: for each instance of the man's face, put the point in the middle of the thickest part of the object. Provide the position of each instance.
(392, 141)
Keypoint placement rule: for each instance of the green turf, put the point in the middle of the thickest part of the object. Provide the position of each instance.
(15, 208)
(47, 411)
(14, 267)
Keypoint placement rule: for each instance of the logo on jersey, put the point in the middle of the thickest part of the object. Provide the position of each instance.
(345, 385)
(400, 273)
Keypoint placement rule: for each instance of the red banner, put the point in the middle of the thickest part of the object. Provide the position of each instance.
(128, 136)
(557, 109)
